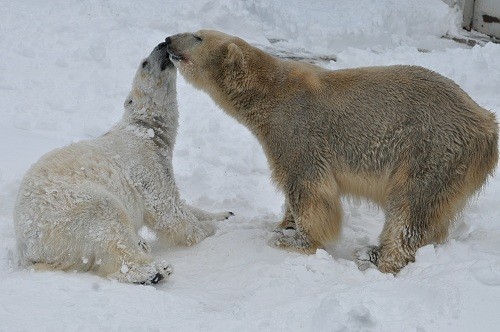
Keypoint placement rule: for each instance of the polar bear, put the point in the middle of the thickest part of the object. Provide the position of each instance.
(80, 207)
(404, 137)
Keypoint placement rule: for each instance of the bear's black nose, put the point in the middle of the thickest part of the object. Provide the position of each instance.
(168, 40)
(162, 45)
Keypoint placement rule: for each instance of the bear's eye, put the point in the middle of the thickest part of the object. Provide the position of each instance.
(130, 101)
(144, 64)
(198, 38)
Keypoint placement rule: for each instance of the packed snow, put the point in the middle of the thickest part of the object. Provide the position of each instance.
(65, 70)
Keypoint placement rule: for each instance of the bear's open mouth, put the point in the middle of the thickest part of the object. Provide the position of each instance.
(176, 57)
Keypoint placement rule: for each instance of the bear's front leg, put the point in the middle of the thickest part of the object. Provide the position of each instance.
(288, 222)
(182, 227)
(317, 213)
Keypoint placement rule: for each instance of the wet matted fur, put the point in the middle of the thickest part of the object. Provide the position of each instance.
(404, 137)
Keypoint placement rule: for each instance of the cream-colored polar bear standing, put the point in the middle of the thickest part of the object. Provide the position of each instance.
(405, 137)
(80, 207)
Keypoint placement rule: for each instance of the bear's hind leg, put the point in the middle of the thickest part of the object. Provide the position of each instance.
(145, 274)
(116, 249)
(417, 216)
(126, 260)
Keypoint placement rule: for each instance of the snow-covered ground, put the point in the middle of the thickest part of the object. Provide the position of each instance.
(65, 70)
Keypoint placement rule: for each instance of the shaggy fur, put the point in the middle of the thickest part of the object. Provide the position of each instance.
(80, 207)
(404, 137)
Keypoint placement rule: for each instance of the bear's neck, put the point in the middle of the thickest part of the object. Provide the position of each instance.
(156, 120)
(251, 101)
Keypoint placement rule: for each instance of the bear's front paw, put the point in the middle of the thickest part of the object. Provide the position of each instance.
(366, 257)
(285, 225)
(297, 242)
(222, 216)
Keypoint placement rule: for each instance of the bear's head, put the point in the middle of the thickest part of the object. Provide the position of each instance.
(205, 55)
(154, 81)
(235, 74)
(208, 57)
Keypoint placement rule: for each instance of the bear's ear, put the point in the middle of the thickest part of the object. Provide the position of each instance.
(235, 55)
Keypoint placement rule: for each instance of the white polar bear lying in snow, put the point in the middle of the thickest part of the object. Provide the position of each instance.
(80, 207)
